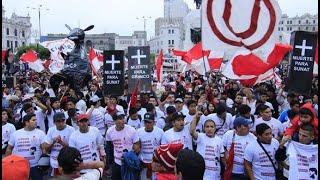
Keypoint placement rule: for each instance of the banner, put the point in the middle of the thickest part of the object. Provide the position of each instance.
(303, 161)
(113, 73)
(139, 68)
(302, 61)
(8, 81)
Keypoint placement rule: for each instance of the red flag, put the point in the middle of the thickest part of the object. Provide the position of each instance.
(159, 65)
(134, 96)
(229, 164)
(195, 53)
(29, 57)
(4, 52)
(215, 63)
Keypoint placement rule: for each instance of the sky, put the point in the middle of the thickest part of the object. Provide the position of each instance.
(113, 16)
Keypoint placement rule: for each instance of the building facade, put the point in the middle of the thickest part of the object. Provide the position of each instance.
(105, 41)
(16, 31)
(175, 8)
(138, 38)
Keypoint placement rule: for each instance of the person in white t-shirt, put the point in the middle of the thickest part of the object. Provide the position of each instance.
(266, 117)
(28, 143)
(134, 119)
(96, 114)
(240, 137)
(113, 102)
(209, 146)
(40, 113)
(257, 164)
(7, 130)
(70, 163)
(179, 104)
(192, 107)
(222, 119)
(124, 138)
(53, 108)
(88, 140)
(57, 138)
(150, 138)
(179, 133)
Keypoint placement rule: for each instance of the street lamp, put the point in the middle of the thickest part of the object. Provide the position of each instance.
(40, 7)
(144, 18)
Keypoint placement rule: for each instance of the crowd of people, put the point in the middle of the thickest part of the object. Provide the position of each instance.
(188, 127)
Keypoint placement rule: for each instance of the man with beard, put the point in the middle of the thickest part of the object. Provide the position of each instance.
(179, 133)
(257, 163)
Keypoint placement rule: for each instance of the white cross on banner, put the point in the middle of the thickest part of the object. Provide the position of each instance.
(303, 47)
(138, 56)
(113, 61)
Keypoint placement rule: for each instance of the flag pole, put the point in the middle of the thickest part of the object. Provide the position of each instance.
(204, 63)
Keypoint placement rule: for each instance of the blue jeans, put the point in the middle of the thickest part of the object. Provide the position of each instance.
(36, 173)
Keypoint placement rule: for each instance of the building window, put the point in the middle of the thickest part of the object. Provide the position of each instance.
(288, 28)
(8, 43)
(279, 29)
(7, 31)
(172, 41)
(23, 43)
(299, 28)
(101, 42)
(15, 32)
(287, 22)
(172, 31)
(307, 22)
(169, 31)
(290, 22)
(313, 28)
(307, 28)
(16, 44)
(23, 34)
(314, 21)
(282, 29)
(169, 42)
(299, 22)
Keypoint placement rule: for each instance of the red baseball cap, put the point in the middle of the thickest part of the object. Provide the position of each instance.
(15, 168)
(82, 116)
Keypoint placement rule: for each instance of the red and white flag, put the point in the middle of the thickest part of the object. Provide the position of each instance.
(243, 33)
(95, 61)
(159, 66)
(33, 61)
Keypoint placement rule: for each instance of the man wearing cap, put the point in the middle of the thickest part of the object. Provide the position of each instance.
(178, 102)
(57, 138)
(158, 115)
(150, 139)
(88, 140)
(96, 114)
(179, 133)
(28, 143)
(240, 137)
(123, 138)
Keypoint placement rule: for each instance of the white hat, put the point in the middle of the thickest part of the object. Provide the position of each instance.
(95, 98)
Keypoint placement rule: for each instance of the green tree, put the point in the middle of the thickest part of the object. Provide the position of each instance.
(42, 52)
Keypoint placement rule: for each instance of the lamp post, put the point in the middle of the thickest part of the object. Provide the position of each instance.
(40, 7)
(144, 18)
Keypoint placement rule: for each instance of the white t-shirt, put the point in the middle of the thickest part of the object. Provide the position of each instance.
(120, 109)
(91, 174)
(261, 166)
(240, 143)
(219, 122)
(149, 142)
(121, 140)
(81, 105)
(188, 119)
(97, 119)
(211, 149)
(27, 144)
(53, 132)
(50, 117)
(136, 124)
(183, 137)
(87, 143)
(142, 111)
(7, 130)
(108, 120)
(274, 124)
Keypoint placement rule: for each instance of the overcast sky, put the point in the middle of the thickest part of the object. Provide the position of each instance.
(114, 16)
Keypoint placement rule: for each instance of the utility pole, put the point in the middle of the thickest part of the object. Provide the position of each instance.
(40, 7)
(144, 18)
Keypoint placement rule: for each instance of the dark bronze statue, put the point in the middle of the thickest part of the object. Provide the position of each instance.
(76, 71)
(198, 3)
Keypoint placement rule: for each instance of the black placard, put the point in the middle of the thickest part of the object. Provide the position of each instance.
(8, 81)
(113, 73)
(139, 68)
(302, 61)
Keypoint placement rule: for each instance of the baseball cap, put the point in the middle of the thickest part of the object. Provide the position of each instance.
(15, 167)
(178, 100)
(148, 117)
(58, 115)
(241, 121)
(177, 115)
(82, 116)
(171, 109)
